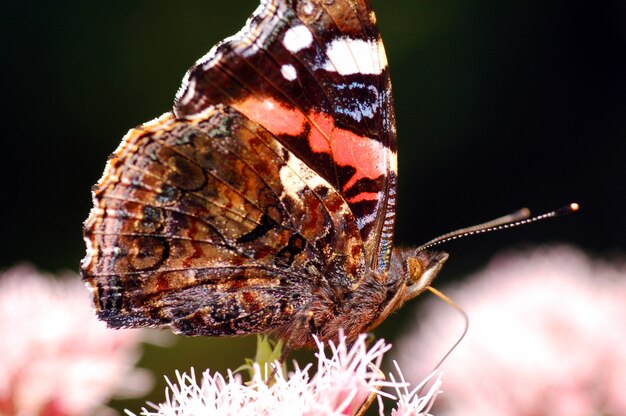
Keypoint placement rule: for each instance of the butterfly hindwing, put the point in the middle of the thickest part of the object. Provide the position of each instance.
(211, 226)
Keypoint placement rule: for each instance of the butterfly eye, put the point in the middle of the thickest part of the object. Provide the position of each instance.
(422, 270)
(415, 269)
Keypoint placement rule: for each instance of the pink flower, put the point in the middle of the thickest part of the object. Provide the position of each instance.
(56, 358)
(547, 336)
(342, 382)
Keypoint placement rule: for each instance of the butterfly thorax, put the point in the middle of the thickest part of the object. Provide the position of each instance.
(360, 310)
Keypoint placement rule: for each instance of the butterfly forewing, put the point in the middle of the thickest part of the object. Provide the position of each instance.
(314, 73)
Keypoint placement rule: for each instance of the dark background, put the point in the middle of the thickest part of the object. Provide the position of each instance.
(500, 104)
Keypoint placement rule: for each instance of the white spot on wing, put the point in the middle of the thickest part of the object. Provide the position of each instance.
(393, 161)
(353, 56)
(292, 184)
(289, 72)
(296, 176)
(297, 38)
(308, 8)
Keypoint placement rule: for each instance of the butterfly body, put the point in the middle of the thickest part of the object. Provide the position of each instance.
(265, 202)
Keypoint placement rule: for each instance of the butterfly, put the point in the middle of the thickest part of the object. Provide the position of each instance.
(264, 202)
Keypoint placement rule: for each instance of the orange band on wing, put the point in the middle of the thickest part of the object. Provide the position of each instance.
(364, 196)
(367, 156)
(273, 115)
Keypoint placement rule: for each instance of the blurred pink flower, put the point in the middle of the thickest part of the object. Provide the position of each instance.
(56, 358)
(547, 336)
(342, 382)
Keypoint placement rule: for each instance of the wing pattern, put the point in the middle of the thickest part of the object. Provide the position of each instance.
(265, 201)
(315, 74)
(212, 227)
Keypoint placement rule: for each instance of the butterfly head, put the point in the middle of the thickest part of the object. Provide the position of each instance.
(411, 273)
(423, 266)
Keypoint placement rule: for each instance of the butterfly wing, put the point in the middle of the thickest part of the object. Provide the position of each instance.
(269, 192)
(314, 73)
(209, 225)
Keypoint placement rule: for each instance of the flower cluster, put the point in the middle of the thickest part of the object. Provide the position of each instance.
(546, 337)
(343, 381)
(56, 357)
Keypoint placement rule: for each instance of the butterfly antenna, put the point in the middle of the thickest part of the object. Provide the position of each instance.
(515, 219)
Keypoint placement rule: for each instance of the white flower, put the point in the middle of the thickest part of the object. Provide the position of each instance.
(411, 403)
(343, 381)
(56, 358)
(547, 336)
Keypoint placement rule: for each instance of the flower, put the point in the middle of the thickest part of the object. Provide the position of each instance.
(57, 358)
(343, 381)
(546, 337)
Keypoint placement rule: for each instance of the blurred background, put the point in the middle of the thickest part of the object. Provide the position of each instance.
(499, 105)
